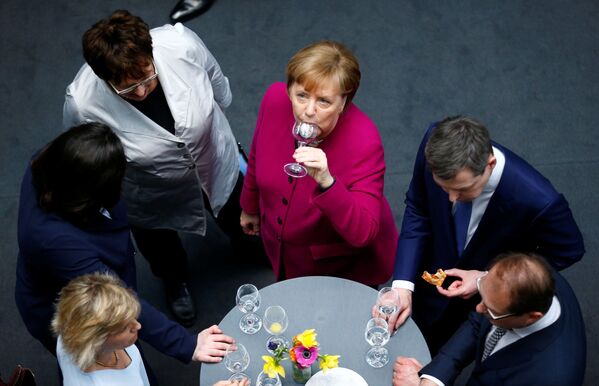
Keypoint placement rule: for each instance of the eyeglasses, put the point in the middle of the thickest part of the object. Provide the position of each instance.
(143, 83)
(491, 314)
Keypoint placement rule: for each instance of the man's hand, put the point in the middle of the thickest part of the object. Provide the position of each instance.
(212, 345)
(465, 287)
(243, 382)
(405, 372)
(315, 161)
(405, 310)
(250, 223)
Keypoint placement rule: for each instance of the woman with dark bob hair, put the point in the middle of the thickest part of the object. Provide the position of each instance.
(71, 223)
(164, 94)
(336, 220)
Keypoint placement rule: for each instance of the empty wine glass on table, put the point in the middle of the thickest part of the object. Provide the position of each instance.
(264, 380)
(275, 322)
(304, 133)
(387, 302)
(377, 335)
(248, 301)
(236, 360)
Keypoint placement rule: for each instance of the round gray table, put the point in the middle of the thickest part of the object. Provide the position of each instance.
(338, 309)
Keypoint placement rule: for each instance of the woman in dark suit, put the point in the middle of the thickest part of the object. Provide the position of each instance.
(71, 222)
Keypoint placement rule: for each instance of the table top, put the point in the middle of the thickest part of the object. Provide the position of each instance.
(338, 309)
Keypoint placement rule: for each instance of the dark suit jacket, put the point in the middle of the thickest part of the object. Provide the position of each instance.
(53, 251)
(525, 213)
(555, 355)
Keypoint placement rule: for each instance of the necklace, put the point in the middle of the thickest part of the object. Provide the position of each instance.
(116, 361)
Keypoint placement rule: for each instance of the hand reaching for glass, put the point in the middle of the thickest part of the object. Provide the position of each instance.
(212, 344)
(396, 319)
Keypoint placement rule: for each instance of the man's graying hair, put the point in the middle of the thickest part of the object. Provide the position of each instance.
(457, 143)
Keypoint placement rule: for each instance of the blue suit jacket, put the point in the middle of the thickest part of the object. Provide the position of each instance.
(53, 251)
(555, 355)
(525, 213)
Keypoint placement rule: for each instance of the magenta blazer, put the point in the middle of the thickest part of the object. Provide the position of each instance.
(347, 231)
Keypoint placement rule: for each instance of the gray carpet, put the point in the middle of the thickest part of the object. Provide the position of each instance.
(528, 69)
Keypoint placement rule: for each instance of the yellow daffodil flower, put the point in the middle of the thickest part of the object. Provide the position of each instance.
(272, 367)
(308, 338)
(329, 362)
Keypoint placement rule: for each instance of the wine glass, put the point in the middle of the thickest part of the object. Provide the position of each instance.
(275, 322)
(248, 301)
(264, 380)
(387, 302)
(304, 133)
(236, 360)
(377, 335)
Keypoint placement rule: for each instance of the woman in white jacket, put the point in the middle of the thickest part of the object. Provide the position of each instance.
(163, 93)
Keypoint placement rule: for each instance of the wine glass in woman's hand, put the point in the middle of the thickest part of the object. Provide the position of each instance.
(304, 133)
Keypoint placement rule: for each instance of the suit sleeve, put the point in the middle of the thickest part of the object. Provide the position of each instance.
(354, 207)
(73, 259)
(457, 353)
(415, 230)
(560, 240)
(219, 82)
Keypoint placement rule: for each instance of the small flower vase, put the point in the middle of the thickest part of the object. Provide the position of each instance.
(301, 374)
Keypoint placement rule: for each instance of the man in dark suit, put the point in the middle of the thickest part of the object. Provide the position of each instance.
(469, 200)
(527, 330)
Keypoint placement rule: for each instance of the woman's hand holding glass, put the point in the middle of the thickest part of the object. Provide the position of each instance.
(315, 161)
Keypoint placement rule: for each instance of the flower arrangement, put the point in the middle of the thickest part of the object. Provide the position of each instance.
(303, 352)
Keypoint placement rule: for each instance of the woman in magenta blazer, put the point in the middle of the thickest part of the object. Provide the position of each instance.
(335, 221)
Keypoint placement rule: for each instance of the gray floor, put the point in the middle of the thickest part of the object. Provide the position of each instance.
(526, 69)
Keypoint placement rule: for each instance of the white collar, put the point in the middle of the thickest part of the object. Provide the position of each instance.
(497, 171)
(546, 320)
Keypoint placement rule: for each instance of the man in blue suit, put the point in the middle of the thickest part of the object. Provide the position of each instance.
(527, 330)
(469, 200)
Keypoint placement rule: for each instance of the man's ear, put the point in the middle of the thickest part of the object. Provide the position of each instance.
(492, 161)
(533, 316)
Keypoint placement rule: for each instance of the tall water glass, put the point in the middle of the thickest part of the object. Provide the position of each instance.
(248, 301)
(387, 302)
(377, 335)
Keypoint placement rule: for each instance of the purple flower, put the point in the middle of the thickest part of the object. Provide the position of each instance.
(272, 346)
(305, 356)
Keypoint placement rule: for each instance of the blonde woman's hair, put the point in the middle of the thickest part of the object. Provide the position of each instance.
(323, 61)
(89, 309)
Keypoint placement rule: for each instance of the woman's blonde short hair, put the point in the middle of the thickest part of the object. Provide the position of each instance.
(322, 61)
(89, 309)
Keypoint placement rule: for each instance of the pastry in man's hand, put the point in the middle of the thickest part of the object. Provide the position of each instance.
(435, 279)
